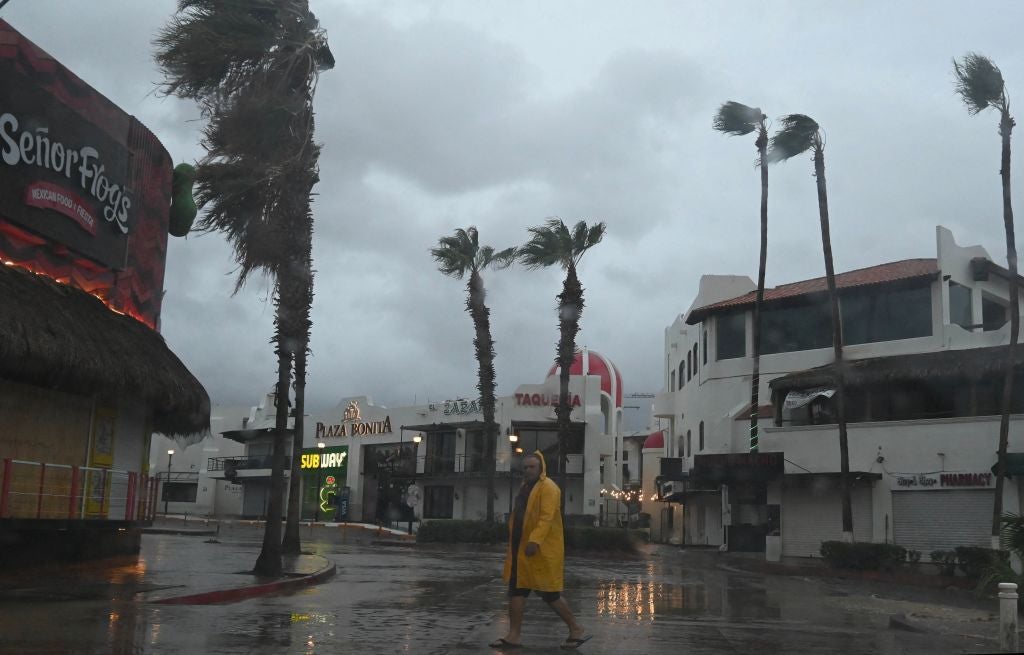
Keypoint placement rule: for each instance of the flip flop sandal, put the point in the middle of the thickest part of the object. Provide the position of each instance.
(570, 643)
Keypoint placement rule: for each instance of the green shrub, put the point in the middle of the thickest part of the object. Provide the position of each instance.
(862, 556)
(451, 531)
(579, 521)
(945, 560)
(913, 557)
(603, 539)
(974, 560)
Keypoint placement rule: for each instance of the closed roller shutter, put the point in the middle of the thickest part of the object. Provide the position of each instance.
(942, 520)
(811, 517)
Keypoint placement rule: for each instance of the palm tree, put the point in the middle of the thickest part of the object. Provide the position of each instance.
(737, 119)
(979, 83)
(799, 134)
(553, 244)
(457, 255)
(251, 65)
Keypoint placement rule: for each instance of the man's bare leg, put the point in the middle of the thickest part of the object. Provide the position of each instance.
(562, 609)
(516, 605)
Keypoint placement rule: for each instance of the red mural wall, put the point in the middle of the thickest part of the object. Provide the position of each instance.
(84, 187)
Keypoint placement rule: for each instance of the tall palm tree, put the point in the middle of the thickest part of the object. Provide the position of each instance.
(979, 83)
(457, 255)
(251, 66)
(800, 133)
(553, 244)
(737, 119)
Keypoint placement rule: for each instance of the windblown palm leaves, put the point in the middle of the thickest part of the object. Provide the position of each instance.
(553, 244)
(797, 134)
(456, 256)
(979, 83)
(738, 119)
(251, 66)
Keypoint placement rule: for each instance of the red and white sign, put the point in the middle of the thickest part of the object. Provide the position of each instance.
(46, 195)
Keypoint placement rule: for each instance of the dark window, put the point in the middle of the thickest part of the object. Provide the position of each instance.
(960, 305)
(887, 314)
(438, 502)
(689, 365)
(688, 436)
(705, 346)
(440, 457)
(700, 435)
(625, 455)
(682, 380)
(993, 314)
(546, 441)
(180, 492)
(695, 359)
(689, 445)
(796, 327)
(474, 451)
(672, 386)
(731, 335)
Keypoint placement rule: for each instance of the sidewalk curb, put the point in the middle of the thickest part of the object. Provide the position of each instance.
(242, 593)
(895, 577)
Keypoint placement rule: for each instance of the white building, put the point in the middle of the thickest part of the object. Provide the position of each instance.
(922, 382)
(374, 454)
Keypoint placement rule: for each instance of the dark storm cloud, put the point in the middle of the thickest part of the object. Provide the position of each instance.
(444, 115)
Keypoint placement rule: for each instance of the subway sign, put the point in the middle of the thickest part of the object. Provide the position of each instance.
(334, 459)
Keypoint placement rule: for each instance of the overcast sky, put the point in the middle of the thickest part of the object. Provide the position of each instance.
(500, 114)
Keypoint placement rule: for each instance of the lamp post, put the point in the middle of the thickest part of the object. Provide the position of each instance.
(170, 455)
(319, 484)
(512, 440)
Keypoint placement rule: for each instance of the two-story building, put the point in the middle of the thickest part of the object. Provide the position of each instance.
(923, 376)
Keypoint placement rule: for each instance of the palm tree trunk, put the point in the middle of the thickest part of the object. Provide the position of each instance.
(1005, 128)
(755, 379)
(837, 344)
(269, 561)
(570, 309)
(484, 345)
(292, 544)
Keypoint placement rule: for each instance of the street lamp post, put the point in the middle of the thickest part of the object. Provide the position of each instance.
(170, 455)
(319, 484)
(512, 440)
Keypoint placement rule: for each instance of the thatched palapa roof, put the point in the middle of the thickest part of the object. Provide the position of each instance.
(966, 364)
(59, 337)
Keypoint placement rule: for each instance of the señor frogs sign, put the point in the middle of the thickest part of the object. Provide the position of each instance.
(63, 176)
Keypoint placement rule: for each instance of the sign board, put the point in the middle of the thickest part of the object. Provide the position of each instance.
(943, 480)
(738, 467)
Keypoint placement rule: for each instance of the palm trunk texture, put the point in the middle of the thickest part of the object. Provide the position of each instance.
(755, 380)
(570, 309)
(484, 345)
(837, 342)
(1006, 124)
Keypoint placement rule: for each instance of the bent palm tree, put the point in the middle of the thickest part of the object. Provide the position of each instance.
(456, 256)
(979, 84)
(251, 66)
(737, 119)
(799, 134)
(553, 244)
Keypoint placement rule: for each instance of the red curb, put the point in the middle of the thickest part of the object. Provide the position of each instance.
(252, 591)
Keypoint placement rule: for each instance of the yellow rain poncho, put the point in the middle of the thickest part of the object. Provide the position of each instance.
(542, 524)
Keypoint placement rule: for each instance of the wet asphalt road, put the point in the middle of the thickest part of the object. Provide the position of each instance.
(403, 599)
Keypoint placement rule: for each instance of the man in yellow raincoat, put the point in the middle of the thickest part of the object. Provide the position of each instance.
(536, 554)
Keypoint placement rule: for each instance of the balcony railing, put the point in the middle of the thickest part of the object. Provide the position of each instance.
(244, 463)
(41, 490)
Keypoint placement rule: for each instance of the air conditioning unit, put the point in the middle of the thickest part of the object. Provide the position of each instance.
(668, 488)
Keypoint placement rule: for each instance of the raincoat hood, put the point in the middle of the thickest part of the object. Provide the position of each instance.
(543, 464)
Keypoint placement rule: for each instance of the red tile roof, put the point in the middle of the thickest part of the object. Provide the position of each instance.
(906, 269)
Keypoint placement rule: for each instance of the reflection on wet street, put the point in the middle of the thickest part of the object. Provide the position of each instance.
(403, 599)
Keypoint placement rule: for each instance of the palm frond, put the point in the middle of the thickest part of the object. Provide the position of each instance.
(456, 254)
(979, 83)
(502, 259)
(737, 119)
(548, 245)
(796, 135)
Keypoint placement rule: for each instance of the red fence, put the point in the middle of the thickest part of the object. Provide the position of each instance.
(37, 490)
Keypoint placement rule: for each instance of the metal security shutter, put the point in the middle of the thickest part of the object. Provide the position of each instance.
(811, 517)
(942, 520)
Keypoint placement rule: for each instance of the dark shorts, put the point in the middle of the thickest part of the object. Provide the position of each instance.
(546, 596)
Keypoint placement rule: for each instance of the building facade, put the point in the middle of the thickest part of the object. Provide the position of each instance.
(921, 344)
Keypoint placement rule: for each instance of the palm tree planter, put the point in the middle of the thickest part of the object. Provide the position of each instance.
(800, 133)
(456, 256)
(251, 66)
(553, 244)
(979, 83)
(737, 119)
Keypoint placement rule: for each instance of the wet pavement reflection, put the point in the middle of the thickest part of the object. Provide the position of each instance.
(391, 598)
